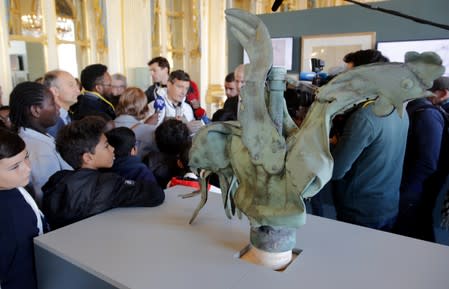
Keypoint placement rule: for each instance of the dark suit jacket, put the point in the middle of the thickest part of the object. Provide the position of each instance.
(90, 104)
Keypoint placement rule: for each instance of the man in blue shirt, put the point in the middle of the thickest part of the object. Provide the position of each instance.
(368, 161)
(368, 166)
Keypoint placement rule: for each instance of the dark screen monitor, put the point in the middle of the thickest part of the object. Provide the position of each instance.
(395, 50)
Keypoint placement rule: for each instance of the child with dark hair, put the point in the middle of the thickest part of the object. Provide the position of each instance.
(172, 138)
(20, 218)
(32, 111)
(71, 196)
(188, 178)
(110, 124)
(127, 163)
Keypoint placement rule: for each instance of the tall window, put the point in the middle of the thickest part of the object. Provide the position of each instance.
(27, 39)
(71, 35)
(25, 18)
(175, 35)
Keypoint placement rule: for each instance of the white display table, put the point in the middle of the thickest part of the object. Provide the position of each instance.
(157, 248)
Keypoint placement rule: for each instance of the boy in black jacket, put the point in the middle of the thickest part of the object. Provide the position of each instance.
(70, 196)
(127, 163)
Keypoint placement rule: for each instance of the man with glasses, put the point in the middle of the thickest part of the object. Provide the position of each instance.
(95, 99)
(118, 87)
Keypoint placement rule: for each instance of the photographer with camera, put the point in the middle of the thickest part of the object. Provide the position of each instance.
(300, 95)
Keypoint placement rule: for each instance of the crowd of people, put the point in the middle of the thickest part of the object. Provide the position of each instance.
(71, 149)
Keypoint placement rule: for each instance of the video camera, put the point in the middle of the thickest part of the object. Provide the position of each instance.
(317, 67)
(302, 93)
(299, 94)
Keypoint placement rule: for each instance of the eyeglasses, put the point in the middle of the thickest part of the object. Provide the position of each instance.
(118, 86)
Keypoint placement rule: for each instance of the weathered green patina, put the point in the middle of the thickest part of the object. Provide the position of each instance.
(266, 165)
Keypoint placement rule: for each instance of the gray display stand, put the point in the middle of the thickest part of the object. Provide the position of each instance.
(157, 248)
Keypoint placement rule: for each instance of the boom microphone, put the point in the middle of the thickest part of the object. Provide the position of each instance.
(276, 5)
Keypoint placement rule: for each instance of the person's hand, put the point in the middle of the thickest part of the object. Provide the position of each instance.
(152, 120)
(195, 125)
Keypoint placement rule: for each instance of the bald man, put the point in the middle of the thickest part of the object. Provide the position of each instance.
(239, 76)
(65, 90)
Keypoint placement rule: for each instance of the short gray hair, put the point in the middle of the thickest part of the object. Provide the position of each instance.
(51, 78)
(119, 76)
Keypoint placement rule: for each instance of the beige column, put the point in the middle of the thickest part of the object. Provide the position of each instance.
(194, 18)
(215, 62)
(97, 32)
(5, 65)
(114, 28)
(90, 29)
(163, 30)
(300, 4)
(136, 36)
(50, 50)
(87, 10)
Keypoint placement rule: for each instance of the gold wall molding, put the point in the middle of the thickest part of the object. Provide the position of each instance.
(215, 94)
(99, 29)
(175, 14)
(195, 52)
(41, 39)
(82, 43)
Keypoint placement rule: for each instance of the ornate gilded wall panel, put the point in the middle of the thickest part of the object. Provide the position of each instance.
(176, 32)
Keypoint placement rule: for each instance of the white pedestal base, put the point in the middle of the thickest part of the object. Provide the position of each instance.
(275, 261)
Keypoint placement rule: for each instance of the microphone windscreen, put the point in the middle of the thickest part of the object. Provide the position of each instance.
(159, 103)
